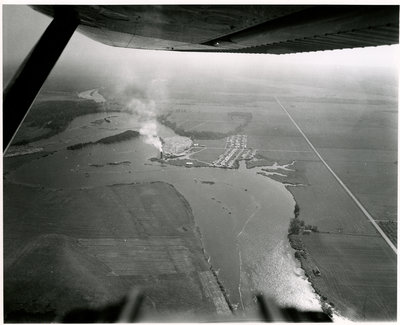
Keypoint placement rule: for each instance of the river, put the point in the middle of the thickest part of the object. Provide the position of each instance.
(243, 217)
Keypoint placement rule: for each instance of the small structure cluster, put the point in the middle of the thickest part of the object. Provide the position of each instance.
(236, 149)
(176, 146)
(236, 141)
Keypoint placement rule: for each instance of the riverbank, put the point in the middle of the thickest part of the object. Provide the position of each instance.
(123, 136)
(48, 118)
(92, 94)
(13, 162)
(215, 296)
(319, 202)
(346, 261)
(236, 192)
(157, 248)
(338, 250)
(310, 269)
(173, 121)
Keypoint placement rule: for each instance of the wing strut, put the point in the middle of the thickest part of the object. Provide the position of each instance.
(30, 77)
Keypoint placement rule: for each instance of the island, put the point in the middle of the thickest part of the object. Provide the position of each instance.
(124, 136)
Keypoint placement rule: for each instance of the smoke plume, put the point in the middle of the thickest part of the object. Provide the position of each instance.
(141, 99)
(149, 130)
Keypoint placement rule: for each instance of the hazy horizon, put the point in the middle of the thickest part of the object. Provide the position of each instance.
(22, 27)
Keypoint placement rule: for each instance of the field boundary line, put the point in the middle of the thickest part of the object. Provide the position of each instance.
(352, 196)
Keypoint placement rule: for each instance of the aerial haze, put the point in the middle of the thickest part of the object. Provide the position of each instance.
(201, 179)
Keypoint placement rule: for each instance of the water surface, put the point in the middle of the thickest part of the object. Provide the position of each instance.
(243, 217)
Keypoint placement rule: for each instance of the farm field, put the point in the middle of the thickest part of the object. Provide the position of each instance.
(54, 95)
(265, 143)
(284, 156)
(359, 141)
(217, 143)
(208, 155)
(356, 133)
(208, 121)
(100, 242)
(100, 234)
(50, 117)
(375, 190)
(390, 228)
(270, 129)
(210, 126)
(353, 128)
(319, 202)
(203, 180)
(358, 274)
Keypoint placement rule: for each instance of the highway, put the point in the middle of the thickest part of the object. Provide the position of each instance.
(347, 190)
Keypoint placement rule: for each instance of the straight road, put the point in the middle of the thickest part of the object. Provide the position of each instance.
(352, 196)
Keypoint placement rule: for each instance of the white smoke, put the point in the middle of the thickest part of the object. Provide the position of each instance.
(141, 100)
(149, 130)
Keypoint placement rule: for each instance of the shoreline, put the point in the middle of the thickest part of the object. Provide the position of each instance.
(206, 256)
(308, 265)
(220, 304)
(202, 135)
(325, 306)
(301, 254)
(343, 255)
(119, 137)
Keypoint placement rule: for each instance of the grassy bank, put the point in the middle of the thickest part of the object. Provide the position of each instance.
(310, 268)
(347, 262)
(353, 274)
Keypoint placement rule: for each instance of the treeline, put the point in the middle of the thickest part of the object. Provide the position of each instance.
(246, 116)
(297, 225)
(55, 116)
(126, 135)
(203, 135)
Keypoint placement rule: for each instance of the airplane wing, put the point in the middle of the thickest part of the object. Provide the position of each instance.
(273, 29)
